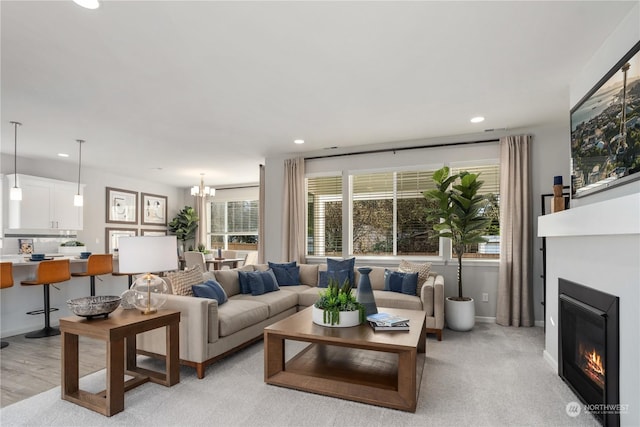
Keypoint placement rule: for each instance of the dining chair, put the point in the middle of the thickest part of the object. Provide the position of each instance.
(192, 258)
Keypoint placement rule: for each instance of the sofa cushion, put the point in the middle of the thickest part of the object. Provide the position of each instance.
(308, 297)
(181, 281)
(309, 274)
(404, 283)
(238, 314)
(286, 274)
(277, 302)
(412, 267)
(340, 276)
(229, 280)
(343, 264)
(262, 282)
(397, 300)
(210, 289)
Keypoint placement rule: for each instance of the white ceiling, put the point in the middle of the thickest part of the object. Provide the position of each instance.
(215, 87)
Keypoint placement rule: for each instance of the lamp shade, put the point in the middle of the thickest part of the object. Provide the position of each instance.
(146, 254)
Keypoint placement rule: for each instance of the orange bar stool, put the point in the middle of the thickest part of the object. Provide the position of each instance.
(6, 281)
(97, 265)
(49, 272)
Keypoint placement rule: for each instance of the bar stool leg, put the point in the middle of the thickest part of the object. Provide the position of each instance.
(48, 331)
(4, 344)
(93, 286)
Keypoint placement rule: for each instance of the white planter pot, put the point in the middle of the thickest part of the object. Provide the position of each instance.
(347, 318)
(460, 315)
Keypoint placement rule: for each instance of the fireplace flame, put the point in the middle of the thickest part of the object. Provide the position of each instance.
(592, 365)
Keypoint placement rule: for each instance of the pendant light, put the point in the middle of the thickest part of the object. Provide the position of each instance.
(77, 199)
(16, 192)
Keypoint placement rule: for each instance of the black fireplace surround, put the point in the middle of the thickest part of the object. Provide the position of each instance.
(588, 348)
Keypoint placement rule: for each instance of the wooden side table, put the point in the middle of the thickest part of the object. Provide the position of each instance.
(119, 332)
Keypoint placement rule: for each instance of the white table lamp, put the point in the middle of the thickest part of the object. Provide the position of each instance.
(148, 254)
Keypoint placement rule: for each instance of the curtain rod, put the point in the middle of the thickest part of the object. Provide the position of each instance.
(386, 150)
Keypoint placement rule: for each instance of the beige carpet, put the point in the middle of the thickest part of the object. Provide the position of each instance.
(491, 376)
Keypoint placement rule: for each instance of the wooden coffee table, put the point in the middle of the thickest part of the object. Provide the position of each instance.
(119, 332)
(379, 368)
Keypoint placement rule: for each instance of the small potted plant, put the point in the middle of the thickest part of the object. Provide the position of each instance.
(337, 306)
(207, 253)
(72, 247)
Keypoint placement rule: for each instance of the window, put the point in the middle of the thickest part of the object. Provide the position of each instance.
(490, 176)
(234, 225)
(324, 216)
(387, 214)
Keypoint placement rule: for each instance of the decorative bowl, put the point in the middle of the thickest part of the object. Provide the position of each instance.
(90, 307)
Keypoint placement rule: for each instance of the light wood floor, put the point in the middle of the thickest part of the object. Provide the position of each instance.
(31, 366)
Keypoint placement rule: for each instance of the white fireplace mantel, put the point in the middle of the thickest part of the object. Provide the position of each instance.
(611, 217)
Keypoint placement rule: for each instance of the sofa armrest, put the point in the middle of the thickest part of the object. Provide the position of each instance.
(438, 301)
(198, 326)
(432, 298)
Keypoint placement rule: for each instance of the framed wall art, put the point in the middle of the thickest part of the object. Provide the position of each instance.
(113, 234)
(153, 232)
(122, 206)
(154, 209)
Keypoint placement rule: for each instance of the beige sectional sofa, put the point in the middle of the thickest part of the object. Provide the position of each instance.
(209, 331)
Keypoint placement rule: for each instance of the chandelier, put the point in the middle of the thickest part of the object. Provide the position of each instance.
(202, 190)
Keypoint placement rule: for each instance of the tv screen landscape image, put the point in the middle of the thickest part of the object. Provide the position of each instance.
(605, 130)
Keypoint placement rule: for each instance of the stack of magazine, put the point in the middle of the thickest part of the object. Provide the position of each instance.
(388, 322)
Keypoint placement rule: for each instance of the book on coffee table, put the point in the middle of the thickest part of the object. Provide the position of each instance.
(386, 319)
(403, 326)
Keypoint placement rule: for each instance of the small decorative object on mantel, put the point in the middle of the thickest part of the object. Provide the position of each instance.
(337, 306)
(557, 204)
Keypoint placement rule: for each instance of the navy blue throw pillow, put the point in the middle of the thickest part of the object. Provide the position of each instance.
(243, 279)
(340, 276)
(262, 282)
(286, 274)
(343, 264)
(210, 289)
(404, 283)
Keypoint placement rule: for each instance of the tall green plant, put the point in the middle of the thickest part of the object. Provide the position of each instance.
(185, 224)
(459, 206)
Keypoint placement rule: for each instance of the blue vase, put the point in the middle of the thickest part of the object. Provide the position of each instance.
(364, 293)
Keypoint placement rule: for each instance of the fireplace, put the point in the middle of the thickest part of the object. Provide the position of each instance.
(588, 348)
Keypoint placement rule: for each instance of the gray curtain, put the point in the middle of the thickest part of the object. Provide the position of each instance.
(293, 215)
(515, 294)
(261, 217)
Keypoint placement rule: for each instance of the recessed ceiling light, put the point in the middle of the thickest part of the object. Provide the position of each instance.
(88, 4)
(477, 119)
(299, 141)
(63, 155)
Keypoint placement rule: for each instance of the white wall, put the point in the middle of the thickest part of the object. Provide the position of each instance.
(607, 262)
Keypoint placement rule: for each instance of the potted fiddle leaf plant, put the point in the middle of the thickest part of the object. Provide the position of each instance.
(184, 225)
(337, 306)
(458, 217)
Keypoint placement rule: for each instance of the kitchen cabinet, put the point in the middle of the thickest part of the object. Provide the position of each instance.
(47, 204)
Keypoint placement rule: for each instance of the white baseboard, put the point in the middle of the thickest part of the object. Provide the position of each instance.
(550, 360)
(485, 319)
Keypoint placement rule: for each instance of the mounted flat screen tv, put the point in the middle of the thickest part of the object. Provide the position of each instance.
(605, 130)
